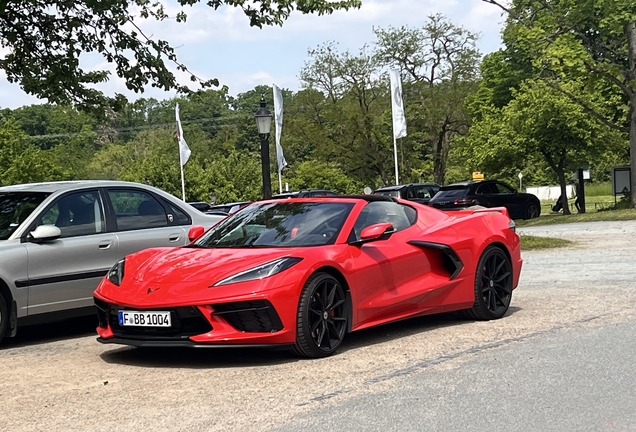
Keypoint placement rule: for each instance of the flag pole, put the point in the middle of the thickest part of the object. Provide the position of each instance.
(182, 179)
(280, 182)
(395, 154)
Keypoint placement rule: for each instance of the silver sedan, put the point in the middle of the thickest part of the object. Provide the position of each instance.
(58, 239)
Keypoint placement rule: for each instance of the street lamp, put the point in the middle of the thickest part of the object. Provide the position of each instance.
(264, 123)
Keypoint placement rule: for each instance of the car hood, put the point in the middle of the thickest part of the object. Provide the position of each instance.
(195, 265)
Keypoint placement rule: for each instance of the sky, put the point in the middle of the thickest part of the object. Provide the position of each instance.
(221, 44)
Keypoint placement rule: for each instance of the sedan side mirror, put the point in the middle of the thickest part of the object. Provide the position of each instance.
(379, 231)
(195, 232)
(45, 233)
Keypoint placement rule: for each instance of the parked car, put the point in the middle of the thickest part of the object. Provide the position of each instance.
(302, 274)
(57, 240)
(418, 192)
(487, 193)
(310, 193)
(228, 208)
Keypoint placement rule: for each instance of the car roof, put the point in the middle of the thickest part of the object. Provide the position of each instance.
(398, 187)
(51, 187)
(334, 198)
(467, 183)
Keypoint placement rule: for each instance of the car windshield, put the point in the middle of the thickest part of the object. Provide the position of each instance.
(15, 207)
(284, 224)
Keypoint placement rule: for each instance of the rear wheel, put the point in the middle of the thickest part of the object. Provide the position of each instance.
(533, 211)
(4, 317)
(321, 322)
(493, 285)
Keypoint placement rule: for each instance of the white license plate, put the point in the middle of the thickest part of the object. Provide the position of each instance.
(144, 318)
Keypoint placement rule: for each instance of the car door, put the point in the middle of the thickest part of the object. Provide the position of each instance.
(144, 220)
(63, 273)
(509, 198)
(387, 271)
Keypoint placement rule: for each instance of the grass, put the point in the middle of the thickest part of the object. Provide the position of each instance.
(529, 242)
(592, 216)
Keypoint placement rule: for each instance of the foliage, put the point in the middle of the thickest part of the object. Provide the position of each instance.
(46, 40)
(322, 175)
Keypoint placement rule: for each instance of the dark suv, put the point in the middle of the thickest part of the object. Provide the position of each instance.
(487, 193)
(418, 192)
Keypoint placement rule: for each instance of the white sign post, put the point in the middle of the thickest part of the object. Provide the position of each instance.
(520, 177)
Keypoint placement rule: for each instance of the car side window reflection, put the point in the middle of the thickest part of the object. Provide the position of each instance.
(136, 209)
(400, 216)
(76, 214)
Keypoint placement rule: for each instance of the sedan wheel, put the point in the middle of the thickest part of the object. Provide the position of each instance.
(322, 317)
(4, 317)
(533, 211)
(493, 285)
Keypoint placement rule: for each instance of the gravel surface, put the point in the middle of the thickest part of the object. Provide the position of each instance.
(70, 382)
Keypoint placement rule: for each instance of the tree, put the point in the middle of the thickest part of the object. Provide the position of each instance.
(592, 39)
(540, 125)
(46, 38)
(440, 65)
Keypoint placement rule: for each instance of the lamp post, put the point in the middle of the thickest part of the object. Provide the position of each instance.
(264, 123)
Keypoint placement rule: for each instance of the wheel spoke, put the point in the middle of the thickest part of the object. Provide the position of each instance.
(338, 303)
(321, 333)
(332, 295)
(502, 277)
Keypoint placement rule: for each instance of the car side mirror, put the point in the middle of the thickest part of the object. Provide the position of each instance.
(45, 233)
(379, 231)
(195, 232)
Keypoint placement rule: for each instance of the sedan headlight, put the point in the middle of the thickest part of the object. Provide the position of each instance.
(116, 273)
(262, 271)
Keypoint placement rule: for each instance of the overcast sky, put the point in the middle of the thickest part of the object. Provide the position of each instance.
(221, 44)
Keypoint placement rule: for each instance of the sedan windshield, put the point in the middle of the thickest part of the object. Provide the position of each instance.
(15, 207)
(284, 224)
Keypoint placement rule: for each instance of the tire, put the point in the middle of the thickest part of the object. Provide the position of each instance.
(493, 286)
(4, 317)
(533, 211)
(322, 317)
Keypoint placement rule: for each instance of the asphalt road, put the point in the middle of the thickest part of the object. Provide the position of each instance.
(559, 360)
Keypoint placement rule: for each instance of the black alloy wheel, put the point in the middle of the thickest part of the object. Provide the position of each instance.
(493, 286)
(533, 211)
(322, 317)
(4, 317)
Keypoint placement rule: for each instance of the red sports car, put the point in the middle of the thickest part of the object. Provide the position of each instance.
(303, 272)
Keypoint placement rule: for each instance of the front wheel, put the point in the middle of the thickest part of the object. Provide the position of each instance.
(4, 317)
(493, 286)
(321, 322)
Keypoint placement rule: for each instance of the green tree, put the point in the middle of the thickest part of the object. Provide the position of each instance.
(540, 125)
(45, 39)
(439, 63)
(584, 39)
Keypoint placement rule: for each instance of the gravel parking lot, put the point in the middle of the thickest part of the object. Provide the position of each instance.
(71, 382)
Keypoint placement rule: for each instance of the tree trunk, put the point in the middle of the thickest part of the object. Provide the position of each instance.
(564, 192)
(630, 31)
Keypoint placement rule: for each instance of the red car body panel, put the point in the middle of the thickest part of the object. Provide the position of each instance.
(387, 280)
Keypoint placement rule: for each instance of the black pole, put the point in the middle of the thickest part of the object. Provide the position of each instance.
(267, 180)
(580, 194)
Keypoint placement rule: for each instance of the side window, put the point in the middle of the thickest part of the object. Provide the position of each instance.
(502, 188)
(177, 216)
(135, 209)
(486, 189)
(400, 216)
(76, 214)
(419, 192)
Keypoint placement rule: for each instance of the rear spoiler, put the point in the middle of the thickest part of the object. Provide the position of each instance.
(502, 210)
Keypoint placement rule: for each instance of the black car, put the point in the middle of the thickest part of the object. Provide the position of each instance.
(310, 193)
(487, 193)
(418, 192)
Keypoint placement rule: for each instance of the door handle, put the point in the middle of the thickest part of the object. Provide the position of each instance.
(174, 238)
(104, 245)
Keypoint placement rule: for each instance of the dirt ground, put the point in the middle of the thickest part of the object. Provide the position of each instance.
(70, 382)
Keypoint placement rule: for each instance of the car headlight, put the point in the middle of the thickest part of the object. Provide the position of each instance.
(262, 271)
(116, 273)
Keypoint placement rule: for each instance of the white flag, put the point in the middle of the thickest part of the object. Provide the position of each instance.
(184, 150)
(278, 120)
(399, 121)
